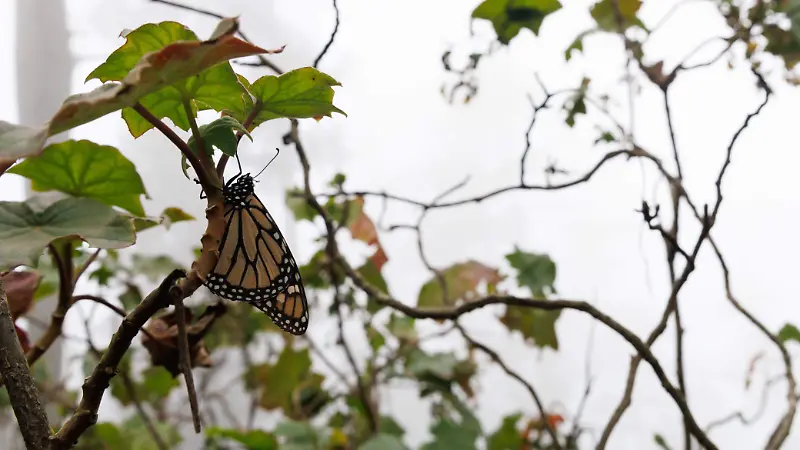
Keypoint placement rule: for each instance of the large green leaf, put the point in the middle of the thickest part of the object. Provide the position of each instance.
(251, 440)
(458, 429)
(17, 141)
(461, 282)
(85, 169)
(536, 325)
(510, 16)
(147, 38)
(382, 441)
(507, 437)
(166, 68)
(609, 18)
(535, 271)
(25, 230)
(290, 373)
(301, 93)
(789, 332)
(298, 436)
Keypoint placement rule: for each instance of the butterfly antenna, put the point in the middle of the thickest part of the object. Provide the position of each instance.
(277, 152)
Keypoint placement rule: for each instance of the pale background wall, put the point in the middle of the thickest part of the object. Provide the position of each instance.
(402, 137)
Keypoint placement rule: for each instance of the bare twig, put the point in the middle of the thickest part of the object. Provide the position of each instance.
(109, 305)
(643, 350)
(333, 36)
(21, 386)
(82, 268)
(186, 365)
(528, 386)
(62, 260)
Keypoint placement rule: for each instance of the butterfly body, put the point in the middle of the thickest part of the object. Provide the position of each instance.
(255, 265)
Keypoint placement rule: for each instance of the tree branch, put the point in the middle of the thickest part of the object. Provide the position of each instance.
(330, 41)
(643, 350)
(20, 385)
(95, 385)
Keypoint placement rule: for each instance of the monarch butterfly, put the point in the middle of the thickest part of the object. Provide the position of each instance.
(255, 265)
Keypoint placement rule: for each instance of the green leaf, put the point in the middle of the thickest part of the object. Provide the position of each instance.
(17, 141)
(302, 93)
(461, 281)
(661, 442)
(577, 44)
(26, 230)
(138, 438)
(220, 134)
(295, 200)
(371, 273)
(441, 365)
(85, 169)
(509, 17)
(282, 378)
(535, 271)
(789, 332)
(216, 87)
(102, 275)
(383, 441)
(338, 180)
(606, 137)
(145, 39)
(131, 297)
(173, 215)
(449, 435)
(252, 439)
(577, 104)
(536, 325)
(609, 19)
(168, 217)
(507, 437)
(239, 325)
(391, 427)
(375, 338)
(157, 383)
(402, 327)
(297, 435)
(154, 267)
(104, 435)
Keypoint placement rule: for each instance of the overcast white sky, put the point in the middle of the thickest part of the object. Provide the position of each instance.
(401, 136)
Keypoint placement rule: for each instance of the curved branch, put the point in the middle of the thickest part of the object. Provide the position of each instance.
(643, 350)
(95, 385)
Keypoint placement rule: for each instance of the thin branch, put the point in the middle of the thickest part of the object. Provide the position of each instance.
(63, 263)
(637, 152)
(21, 387)
(95, 385)
(192, 157)
(643, 350)
(180, 309)
(112, 307)
(738, 415)
(82, 268)
(330, 41)
(186, 365)
(528, 386)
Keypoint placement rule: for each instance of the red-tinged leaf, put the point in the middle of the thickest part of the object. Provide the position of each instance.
(379, 258)
(461, 282)
(163, 347)
(154, 71)
(362, 228)
(24, 340)
(20, 287)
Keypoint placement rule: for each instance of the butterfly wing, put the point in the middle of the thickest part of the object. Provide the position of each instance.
(256, 266)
